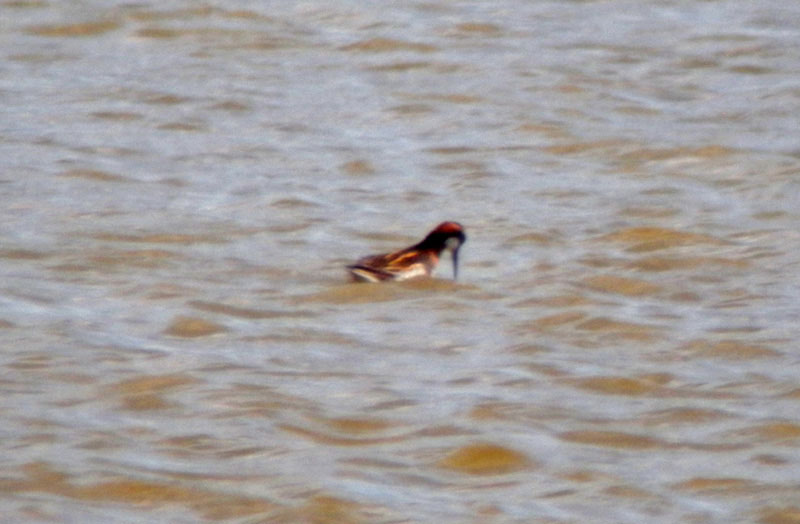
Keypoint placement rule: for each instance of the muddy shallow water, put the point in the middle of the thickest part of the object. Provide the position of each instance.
(183, 183)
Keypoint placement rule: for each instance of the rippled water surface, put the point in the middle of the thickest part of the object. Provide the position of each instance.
(183, 182)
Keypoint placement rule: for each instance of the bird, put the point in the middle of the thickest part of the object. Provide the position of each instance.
(414, 261)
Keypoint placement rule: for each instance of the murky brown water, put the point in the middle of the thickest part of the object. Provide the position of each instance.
(183, 182)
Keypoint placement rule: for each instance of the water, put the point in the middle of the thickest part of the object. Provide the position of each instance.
(183, 183)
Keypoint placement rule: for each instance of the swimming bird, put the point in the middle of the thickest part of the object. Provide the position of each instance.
(414, 261)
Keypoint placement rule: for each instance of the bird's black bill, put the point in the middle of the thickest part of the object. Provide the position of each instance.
(455, 264)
